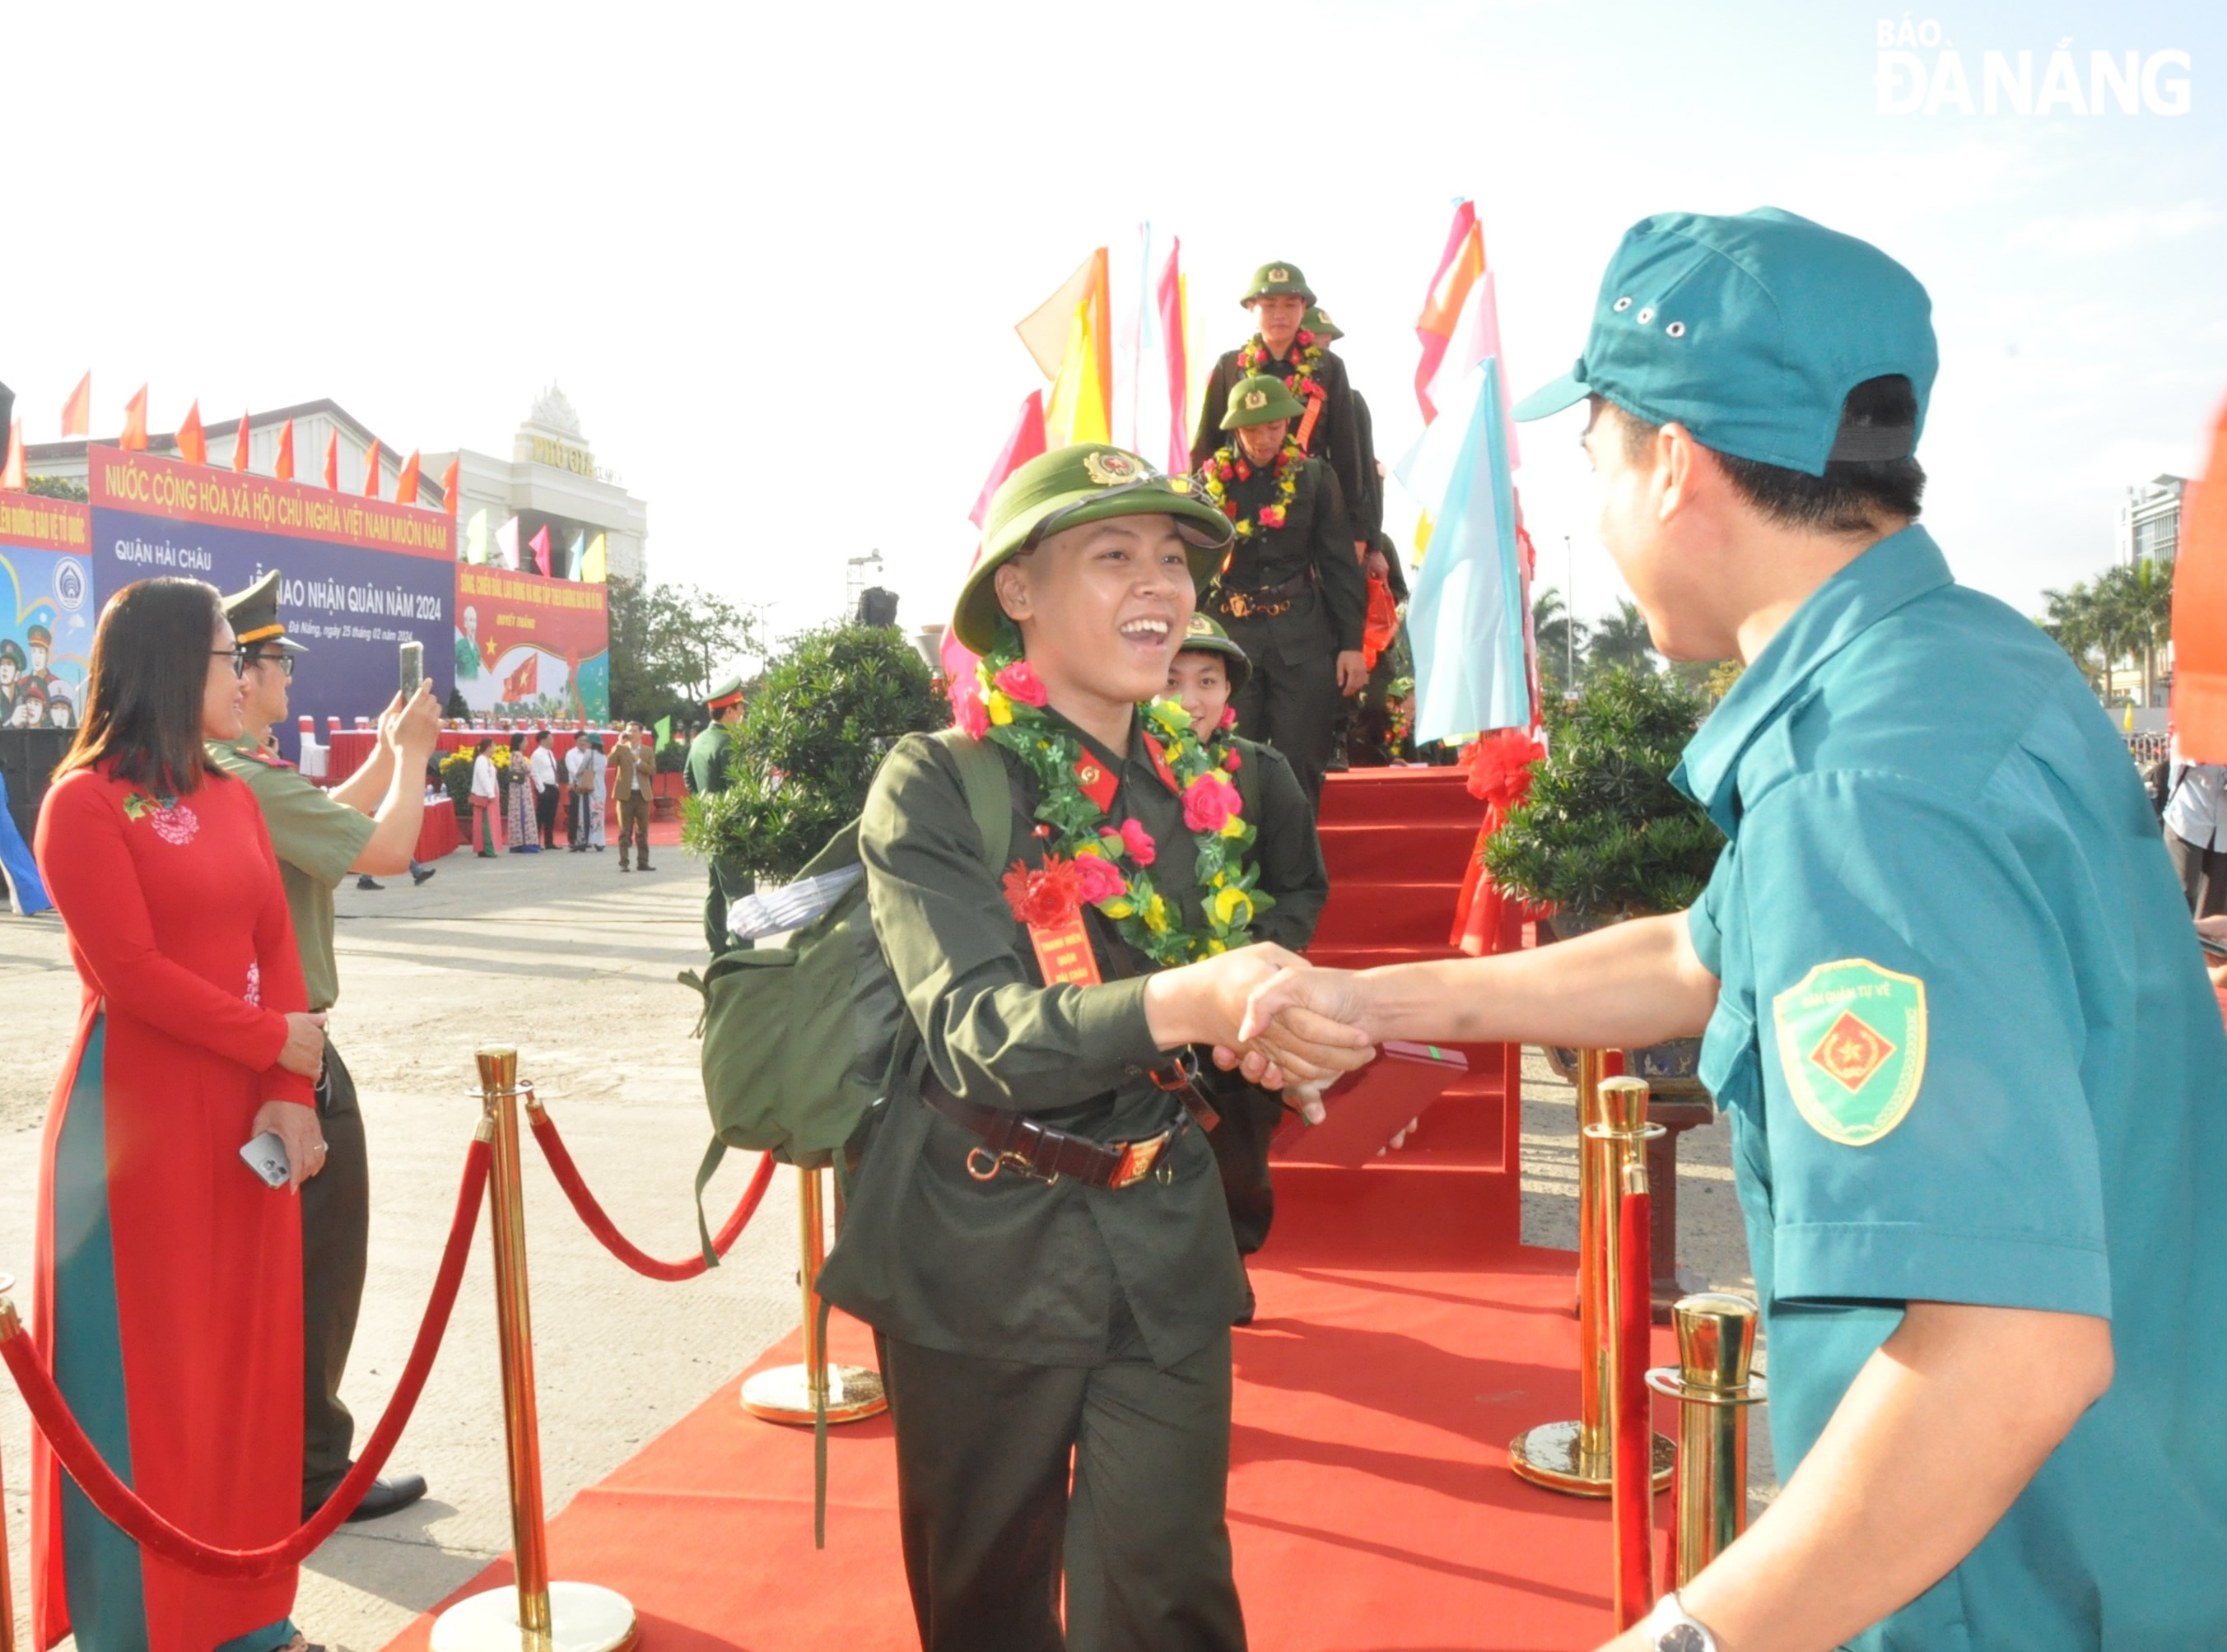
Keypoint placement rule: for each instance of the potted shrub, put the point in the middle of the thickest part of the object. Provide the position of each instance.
(1603, 835)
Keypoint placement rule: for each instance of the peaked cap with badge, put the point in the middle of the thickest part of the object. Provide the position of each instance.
(1067, 488)
(1271, 280)
(1204, 635)
(255, 616)
(729, 692)
(1260, 398)
(37, 635)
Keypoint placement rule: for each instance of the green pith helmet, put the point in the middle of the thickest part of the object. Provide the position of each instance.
(1273, 279)
(1260, 400)
(1319, 324)
(1065, 488)
(1204, 635)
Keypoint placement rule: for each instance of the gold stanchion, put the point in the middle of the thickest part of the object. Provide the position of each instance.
(1574, 1457)
(1713, 1385)
(791, 1394)
(538, 1616)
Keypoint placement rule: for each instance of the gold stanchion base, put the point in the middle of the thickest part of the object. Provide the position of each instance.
(784, 1394)
(1549, 1456)
(582, 1618)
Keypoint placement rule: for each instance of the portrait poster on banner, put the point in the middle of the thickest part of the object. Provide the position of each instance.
(46, 611)
(533, 647)
(358, 577)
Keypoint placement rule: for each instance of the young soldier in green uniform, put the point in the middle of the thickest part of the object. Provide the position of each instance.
(1290, 590)
(1288, 854)
(1036, 1230)
(1283, 348)
(1947, 986)
(709, 755)
(367, 823)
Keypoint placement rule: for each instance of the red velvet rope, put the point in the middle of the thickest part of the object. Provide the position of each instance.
(600, 1224)
(151, 1532)
(1634, 1446)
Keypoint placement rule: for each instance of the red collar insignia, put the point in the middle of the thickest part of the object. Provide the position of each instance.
(1161, 763)
(1098, 781)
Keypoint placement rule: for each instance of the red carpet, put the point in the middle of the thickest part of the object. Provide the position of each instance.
(1404, 1337)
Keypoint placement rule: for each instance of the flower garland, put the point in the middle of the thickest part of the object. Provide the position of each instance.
(1090, 861)
(1300, 379)
(1227, 465)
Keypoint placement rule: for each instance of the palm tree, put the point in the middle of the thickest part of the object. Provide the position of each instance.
(1560, 638)
(1623, 639)
(2073, 620)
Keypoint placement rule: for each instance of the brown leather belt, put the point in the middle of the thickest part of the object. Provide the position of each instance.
(1268, 602)
(1017, 1142)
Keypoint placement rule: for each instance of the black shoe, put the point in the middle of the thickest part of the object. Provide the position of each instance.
(418, 874)
(385, 1496)
(646, 866)
(1245, 1313)
(1338, 764)
(366, 882)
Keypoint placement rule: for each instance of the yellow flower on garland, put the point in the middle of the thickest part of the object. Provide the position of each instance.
(1233, 906)
(1156, 915)
(1234, 826)
(1216, 947)
(1000, 708)
(1119, 907)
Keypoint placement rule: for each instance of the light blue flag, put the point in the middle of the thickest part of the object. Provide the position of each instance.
(578, 556)
(1465, 618)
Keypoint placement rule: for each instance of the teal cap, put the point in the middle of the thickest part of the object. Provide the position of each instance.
(1750, 330)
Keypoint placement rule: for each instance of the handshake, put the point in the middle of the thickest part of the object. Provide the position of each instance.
(1269, 1013)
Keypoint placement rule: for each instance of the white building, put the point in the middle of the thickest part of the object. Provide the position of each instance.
(2148, 528)
(550, 481)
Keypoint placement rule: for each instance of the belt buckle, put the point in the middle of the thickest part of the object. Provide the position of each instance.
(1235, 606)
(1137, 1159)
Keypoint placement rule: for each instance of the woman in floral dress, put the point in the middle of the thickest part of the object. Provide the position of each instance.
(168, 1290)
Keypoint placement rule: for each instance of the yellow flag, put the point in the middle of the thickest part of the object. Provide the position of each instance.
(1077, 410)
(595, 567)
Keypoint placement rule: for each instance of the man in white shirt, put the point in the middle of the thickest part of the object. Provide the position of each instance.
(486, 796)
(2196, 832)
(578, 776)
(597, 803)
(541, 768)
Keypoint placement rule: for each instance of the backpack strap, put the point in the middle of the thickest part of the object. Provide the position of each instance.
(989, 793)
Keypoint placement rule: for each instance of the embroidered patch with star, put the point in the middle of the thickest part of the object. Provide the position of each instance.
(1852, 1042)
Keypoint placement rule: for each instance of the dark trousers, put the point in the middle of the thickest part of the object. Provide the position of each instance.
(730, 886)
(1250, 1117)
(335, 1239)
(633, 827)
(1291, 707)
(1011, 1476)
(2203, 874)
(544, 814)
(576, 825)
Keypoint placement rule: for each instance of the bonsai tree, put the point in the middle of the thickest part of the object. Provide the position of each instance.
(1604, 834)
(826, 713)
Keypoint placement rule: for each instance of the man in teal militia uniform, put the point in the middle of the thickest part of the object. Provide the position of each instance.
(1952, 1002)
(1056, 1347)
(709, 756)
(1290, 591)
(367, 823)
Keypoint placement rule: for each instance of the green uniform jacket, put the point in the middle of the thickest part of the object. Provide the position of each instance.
(1317, 532)
(709, 755)
(1288, 851)
(1336, 437)
(316, 840)
(1014, 1269)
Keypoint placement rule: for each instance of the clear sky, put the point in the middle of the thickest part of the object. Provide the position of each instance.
(774, 255)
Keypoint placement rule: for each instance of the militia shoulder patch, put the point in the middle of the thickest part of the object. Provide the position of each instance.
(1852, 1042)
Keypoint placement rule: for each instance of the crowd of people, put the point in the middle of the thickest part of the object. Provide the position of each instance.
(1942, 976)
(519, 801)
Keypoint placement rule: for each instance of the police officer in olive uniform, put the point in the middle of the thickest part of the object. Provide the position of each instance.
(1055, 1329)
(1327, 425)
(1290, 590)
(1288, 856)
(709, 755)
(368, 824)
(1946, 987)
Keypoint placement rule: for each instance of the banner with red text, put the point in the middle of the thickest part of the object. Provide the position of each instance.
(531, 647)
(47, 611)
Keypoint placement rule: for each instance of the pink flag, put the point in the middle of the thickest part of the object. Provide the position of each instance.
(1024, 444)
(540, 544)
(1460, 327)
(1170, 294)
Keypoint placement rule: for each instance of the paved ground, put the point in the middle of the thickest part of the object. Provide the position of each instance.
(573, 963)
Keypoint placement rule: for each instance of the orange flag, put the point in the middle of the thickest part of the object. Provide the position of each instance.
(371, 470)
(77, 412)
(2199, 611)
(11, 477)
(449, 487)
(333, 462)
(240, 446)
(406, 485)
(282, 466)
(134, 439)
(193, 441)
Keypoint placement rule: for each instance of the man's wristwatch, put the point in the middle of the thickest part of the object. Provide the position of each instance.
(1672, 1631)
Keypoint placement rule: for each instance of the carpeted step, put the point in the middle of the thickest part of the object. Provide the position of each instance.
(1398, 851)
(1403, 795)
(1369, 914)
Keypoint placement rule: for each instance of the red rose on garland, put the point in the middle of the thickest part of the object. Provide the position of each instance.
(1047, 898)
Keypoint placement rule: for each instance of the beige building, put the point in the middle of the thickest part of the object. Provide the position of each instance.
(551, 480)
